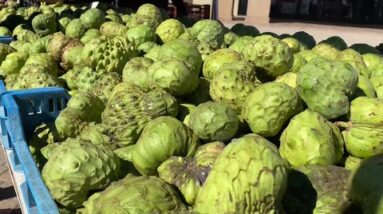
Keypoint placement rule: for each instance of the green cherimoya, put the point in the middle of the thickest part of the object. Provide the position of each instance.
(208, 31)
(4, 51)
(326, 50)
(377, 79)
(299, 61)
(45, 60)
(372, 60)
(311, 139)
(75, 29)
(326, 86)
(271, 56)
(135, 194)
(336, 42)
(104, 86)
(90, 34)
(56, 44)
(180, 50)
(230, 38)
(137, 20)
(249, 176)
(82, 78)
(269, 107)
(169, 30)
(109, 55)
(112, 29)
(174, 76)
(13, 63)
(37, 80)
(151, 11)
(95, 133)
(189, 174)
(92, 18)
(136, 72)
(69, 124)
(44, 24)
(63, 23)
(161, 139)
(40, 45)
(294, 44)
(364, 132)
(87, 106)
(289, 78)
(364, 88)
(352, 163)
(240, 44)
(130, 109)
(77, 167)
(147, 46)
(233, 83)
(214, 62)
(366, 185)
(317, 189)
(71, 54)
(4, 31)
(140, 34)
(355, 60)
(214, 121)
(308, 56)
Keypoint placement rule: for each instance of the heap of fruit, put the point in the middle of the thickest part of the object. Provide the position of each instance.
(171, 117)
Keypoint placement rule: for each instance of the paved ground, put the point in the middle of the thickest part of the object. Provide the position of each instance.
(8, 200)
(351, 35)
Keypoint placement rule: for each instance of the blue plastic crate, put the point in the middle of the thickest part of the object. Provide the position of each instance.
(6, 39)
(20, 112)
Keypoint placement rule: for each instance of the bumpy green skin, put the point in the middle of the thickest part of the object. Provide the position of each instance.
(174, 76)
(355, 60)
(299, 61)
(233, 83)
(311, 139)
(104, 86)
(5, 31)
(328, 88)
(44, 24)
(112, 29)
(293, 43)
(230, 38)
(136, 72)
(137, 20)
(71, 54)
(45, 60)
(270, 55)
(75, 29)
(36, 80)
(352, 163)
(214, 121)
(308, 55)
(269, 107)
(169, 30)
(92, 18)
(249, 176)
(151, 11)
(147, 46)
(364, 133)
(69, 124)
(77, 167)
(95, 133)
(90, 34)
(63, 23)
(130, 109)
(56, 44)
(12, 63)
(109, 55)
(326, 50)
(179, 50)
(289, 79)
(39, 45)
(135, 195)
(82, 78)
(372, 60)
(366, 186)
(161, 139)
(208, 31)
(205, 50)
(365, 87)
(4, 51)
(189, 174)
(214, 62)
(141, 34)
(241, 43)
(377, 79)
(87, 106)
(317, 189)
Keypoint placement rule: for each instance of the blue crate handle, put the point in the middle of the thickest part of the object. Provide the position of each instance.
(34, 191)
(6, 39)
